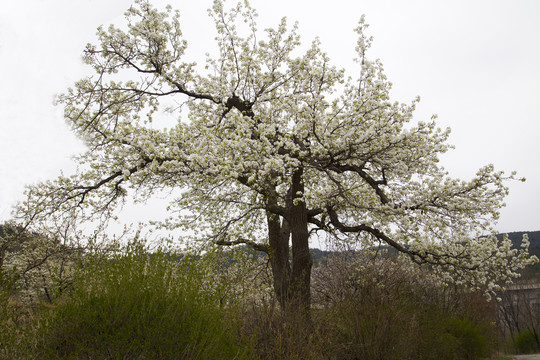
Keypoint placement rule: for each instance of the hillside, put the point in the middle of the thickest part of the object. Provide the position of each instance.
(534, 238)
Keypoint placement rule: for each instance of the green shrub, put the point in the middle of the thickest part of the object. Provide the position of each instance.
(455, 338)
(130, 305)
(526, 342)
(471, 337)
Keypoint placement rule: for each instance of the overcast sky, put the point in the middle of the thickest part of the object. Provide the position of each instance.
(476, 64)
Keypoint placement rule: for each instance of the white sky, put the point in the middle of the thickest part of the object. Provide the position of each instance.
(474, 63)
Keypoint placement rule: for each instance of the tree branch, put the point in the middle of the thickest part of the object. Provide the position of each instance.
(416, 256)
(259, 247)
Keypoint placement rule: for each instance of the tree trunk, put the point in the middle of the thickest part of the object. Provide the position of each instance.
(300, 290)
(292, 287)
(279, 257)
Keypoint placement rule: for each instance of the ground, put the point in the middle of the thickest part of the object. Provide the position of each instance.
(527, 357)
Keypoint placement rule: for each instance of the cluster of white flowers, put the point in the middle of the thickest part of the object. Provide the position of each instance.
(41, 264)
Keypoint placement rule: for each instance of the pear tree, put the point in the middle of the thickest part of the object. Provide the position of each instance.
(273, 146)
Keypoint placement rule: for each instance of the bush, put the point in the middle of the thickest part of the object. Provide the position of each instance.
(381, 308)
(470, 337)
(454, 338)
(135, 306)
(526, 342)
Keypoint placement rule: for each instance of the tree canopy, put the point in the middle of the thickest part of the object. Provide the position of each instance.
(277, 144)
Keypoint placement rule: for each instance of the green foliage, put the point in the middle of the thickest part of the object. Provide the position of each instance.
(128, 304)
(470, 337)
(7, 328)
(455, 338)
(8, 281)
(526, 342)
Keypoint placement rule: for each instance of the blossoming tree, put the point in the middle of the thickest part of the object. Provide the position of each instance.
(277, 145)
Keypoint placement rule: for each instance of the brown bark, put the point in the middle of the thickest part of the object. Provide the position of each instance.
(279, 257)
(300, 291)
(292, 287)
